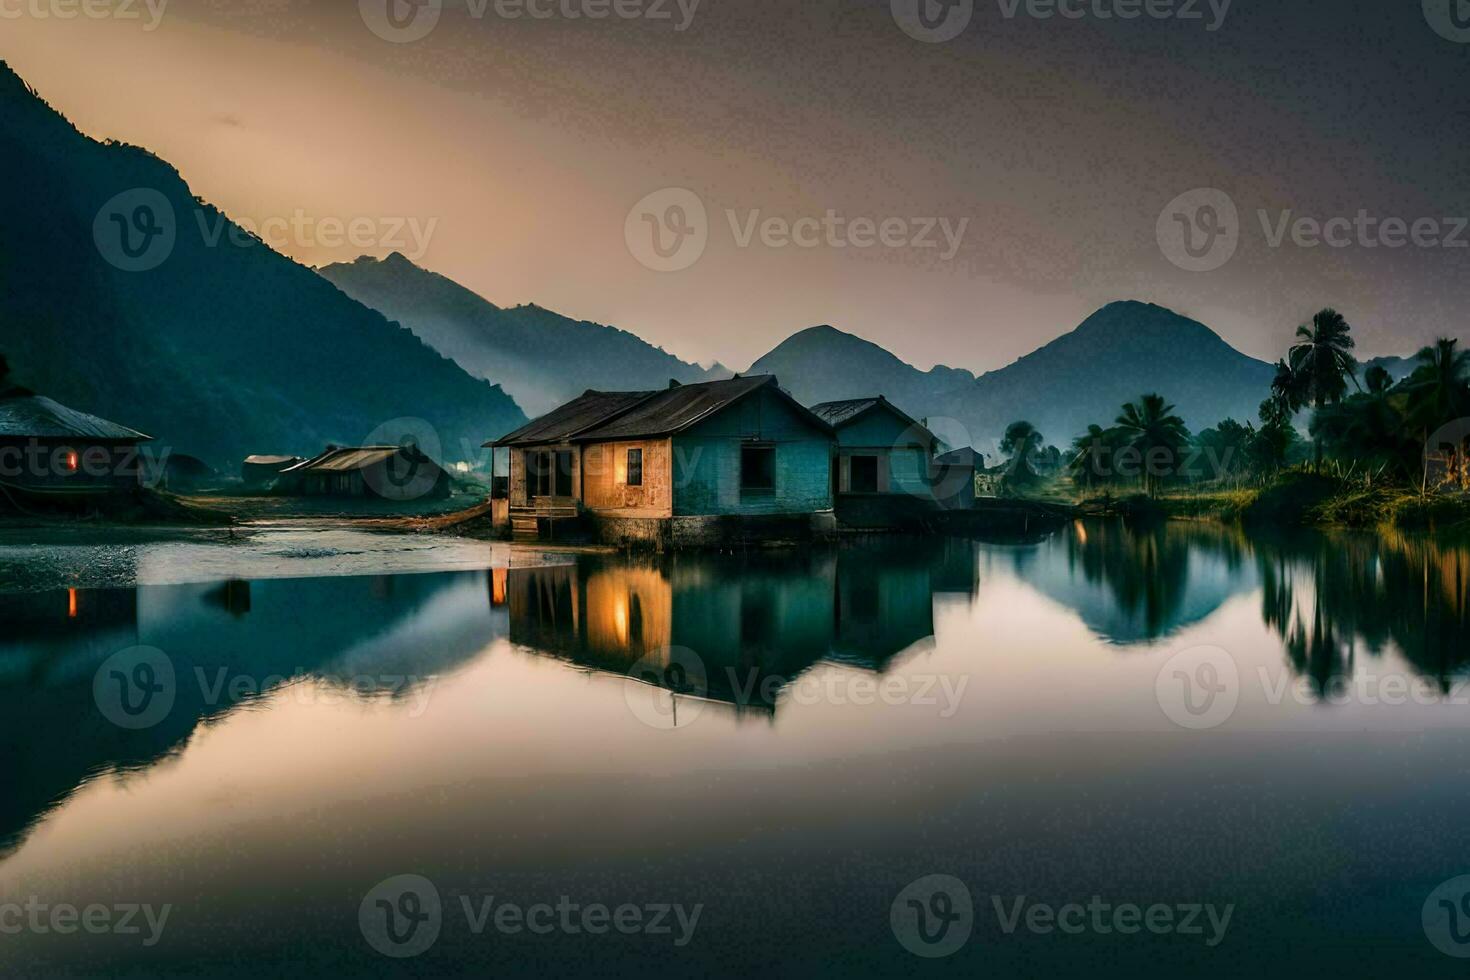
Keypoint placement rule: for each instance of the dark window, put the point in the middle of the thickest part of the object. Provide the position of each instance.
(863, 475)
(635, 467)
(563, 474)
(758, 468)
(538, 476)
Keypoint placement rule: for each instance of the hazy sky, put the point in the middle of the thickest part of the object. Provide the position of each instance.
(517, 149)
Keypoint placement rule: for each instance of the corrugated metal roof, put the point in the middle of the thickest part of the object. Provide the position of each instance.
(347, 459)
(838, 412)
(38, 417)
(559, 425)
(678, 408)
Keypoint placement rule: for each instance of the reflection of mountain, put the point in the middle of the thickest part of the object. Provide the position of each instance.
(756, 622)
(1138, 584)
(229, 644)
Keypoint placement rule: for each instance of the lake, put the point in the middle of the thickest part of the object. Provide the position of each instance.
(1170, 747)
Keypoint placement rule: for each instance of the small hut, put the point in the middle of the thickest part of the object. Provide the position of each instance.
(400, 473)
(49, 449)
(259, 471)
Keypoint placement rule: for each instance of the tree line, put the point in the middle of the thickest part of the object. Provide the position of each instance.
(1415, 431)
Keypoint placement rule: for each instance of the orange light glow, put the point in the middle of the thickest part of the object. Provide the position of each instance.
(71, 603)
(498, 577)
(70, 462)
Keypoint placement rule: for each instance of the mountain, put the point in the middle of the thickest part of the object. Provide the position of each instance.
(540, 357)
(1398, 368)
(1120, 352)
(824, 364)
(124, 295)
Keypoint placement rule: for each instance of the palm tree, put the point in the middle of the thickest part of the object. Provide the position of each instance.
(1367, 427)
(1088, 451)
(1438, 392)
(1149, 428)
(1319, 366)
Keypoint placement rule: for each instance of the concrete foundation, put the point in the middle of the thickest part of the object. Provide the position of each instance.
(720, 531)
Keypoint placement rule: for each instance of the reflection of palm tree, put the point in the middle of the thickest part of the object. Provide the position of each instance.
(1149, 427)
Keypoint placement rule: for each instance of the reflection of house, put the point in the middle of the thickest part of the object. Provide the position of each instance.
(390, 472)
(882, 473)
(48, 448)
(691, 464)
(755, 623)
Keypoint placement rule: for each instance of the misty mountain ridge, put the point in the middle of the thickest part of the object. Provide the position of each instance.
(541, 358)
(215, 349)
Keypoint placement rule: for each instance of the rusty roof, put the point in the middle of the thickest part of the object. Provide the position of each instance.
(37, 417)
(682, 406)
(346, 460)
(591, 408)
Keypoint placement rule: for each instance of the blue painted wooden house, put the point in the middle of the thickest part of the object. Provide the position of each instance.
(696, 464)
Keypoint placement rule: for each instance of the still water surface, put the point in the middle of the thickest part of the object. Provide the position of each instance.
(1177, 715)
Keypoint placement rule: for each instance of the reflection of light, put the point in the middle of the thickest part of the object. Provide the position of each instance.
(620, 620)
(497, 586)
(1081, 532)
(71, 603)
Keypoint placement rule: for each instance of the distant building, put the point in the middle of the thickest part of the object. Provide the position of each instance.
(47, 448)
(400, 473)
(954, 478)
(183, 473)
(884, 468)
(259, 471)
(691, 464)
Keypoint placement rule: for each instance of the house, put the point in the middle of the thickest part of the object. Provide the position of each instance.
(258, 471)
(49, 449)
(696, 464)
(954, 478)
(397, 473)
(883, 472)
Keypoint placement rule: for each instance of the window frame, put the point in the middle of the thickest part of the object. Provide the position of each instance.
(634, 452)
(758, 447)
